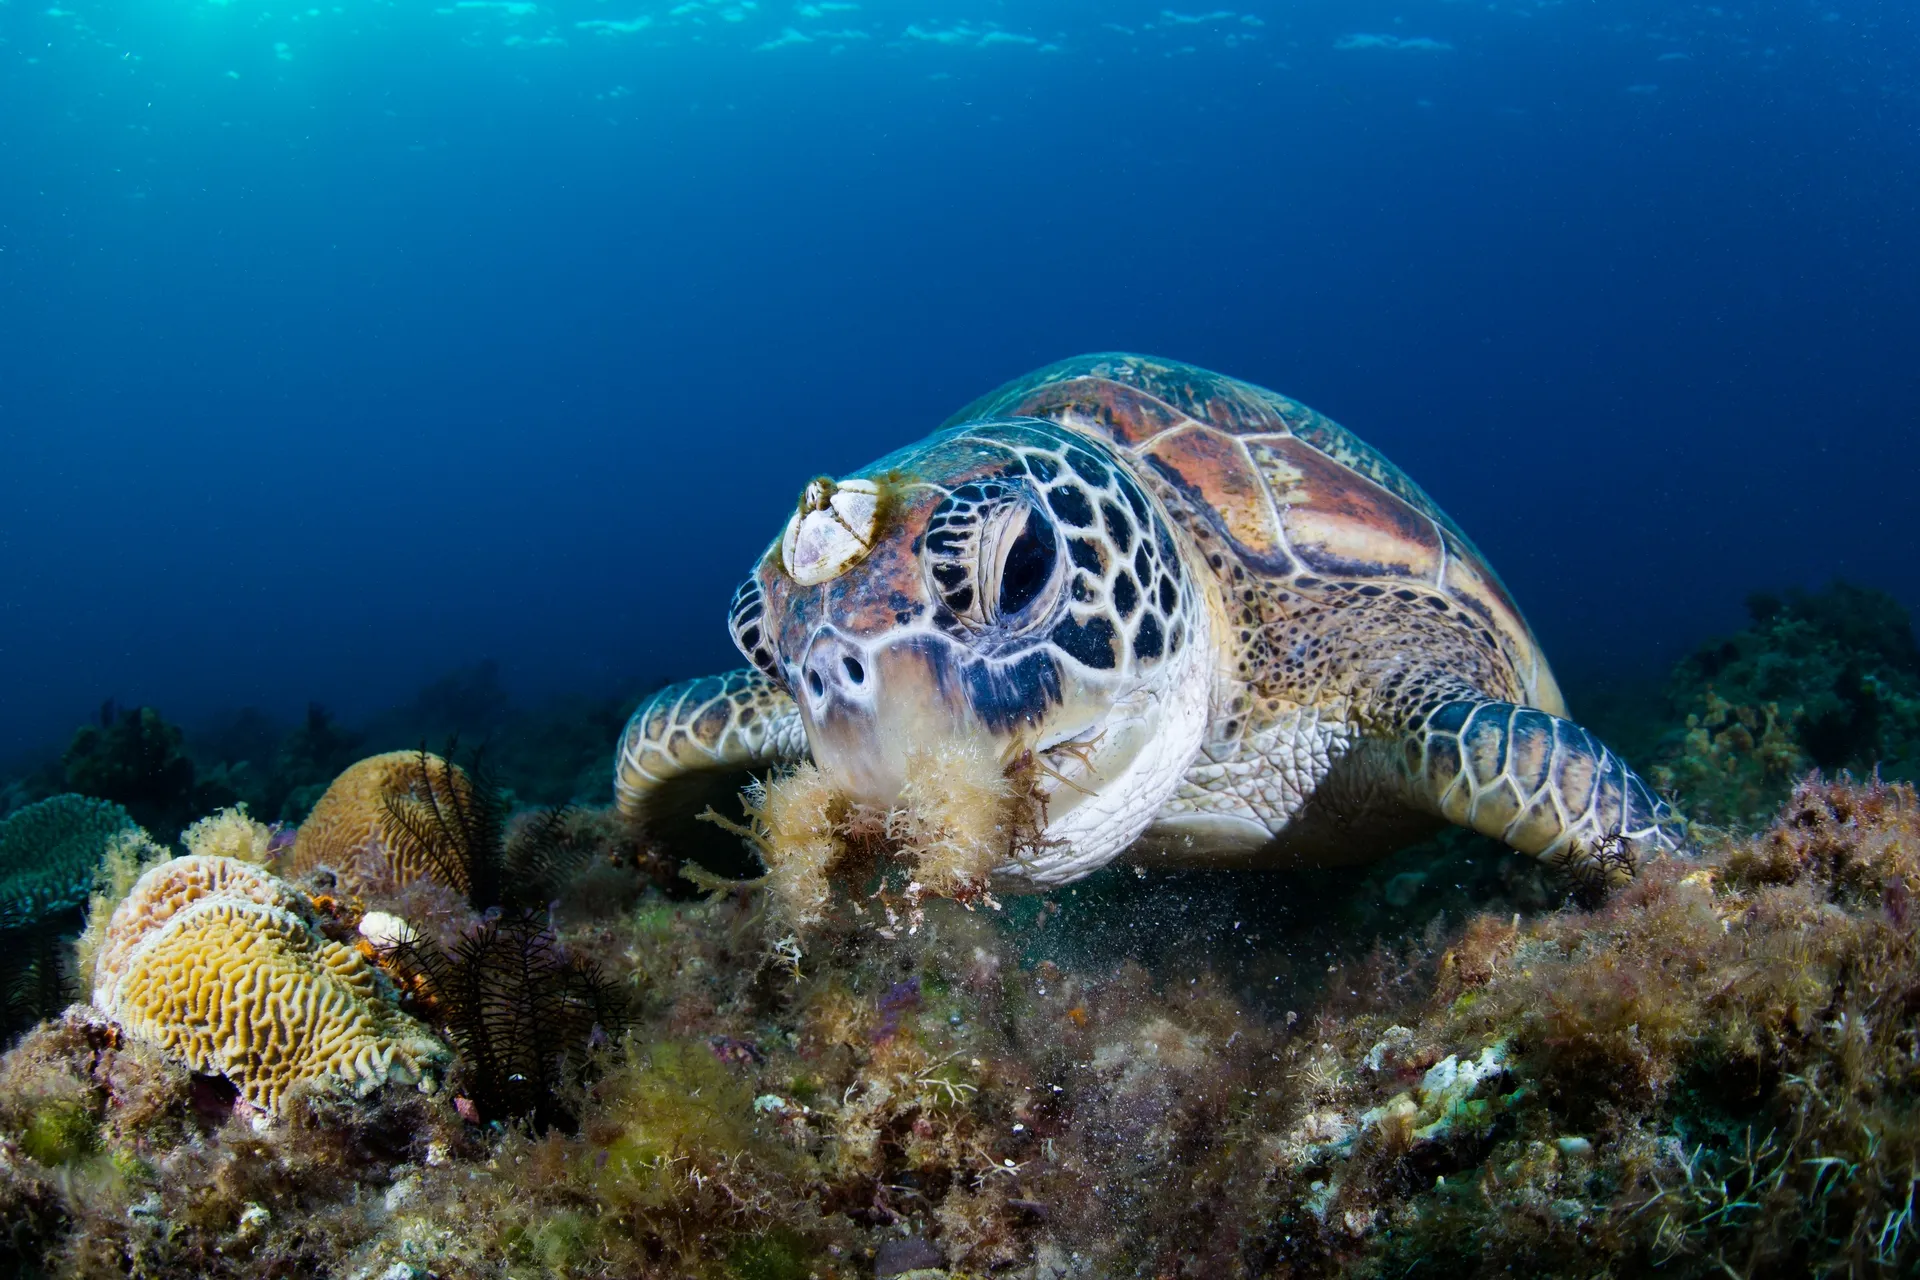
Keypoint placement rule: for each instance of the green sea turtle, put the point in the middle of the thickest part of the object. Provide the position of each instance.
(1232, 633)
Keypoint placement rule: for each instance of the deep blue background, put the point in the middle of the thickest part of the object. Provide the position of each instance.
(322, 373)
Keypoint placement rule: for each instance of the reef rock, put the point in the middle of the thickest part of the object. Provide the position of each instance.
(1827, 680)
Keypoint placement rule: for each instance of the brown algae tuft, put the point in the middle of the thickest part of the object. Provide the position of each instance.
(961, 814)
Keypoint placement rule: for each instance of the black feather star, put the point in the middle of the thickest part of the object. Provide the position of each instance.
(523, 1014)
(452, 819)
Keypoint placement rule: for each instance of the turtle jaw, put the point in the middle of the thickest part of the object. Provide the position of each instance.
(1108, 759)
(1116, 784)
(865, 706)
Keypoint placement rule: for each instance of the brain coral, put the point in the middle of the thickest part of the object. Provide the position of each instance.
(48, 852)
(218, 964)
(391, 820)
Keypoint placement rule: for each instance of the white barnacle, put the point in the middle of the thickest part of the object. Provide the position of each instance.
(833, 529)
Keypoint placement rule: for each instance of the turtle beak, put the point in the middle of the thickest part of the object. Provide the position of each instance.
(865, 705)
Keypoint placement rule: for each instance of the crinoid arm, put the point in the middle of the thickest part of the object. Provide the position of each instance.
(1541, 785)
(692, 746)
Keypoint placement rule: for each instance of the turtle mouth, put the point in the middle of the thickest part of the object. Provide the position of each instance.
(867, 707)
(1069, 761)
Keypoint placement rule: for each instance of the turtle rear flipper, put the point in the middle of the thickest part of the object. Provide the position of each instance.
(1541, 785)
(695, 744)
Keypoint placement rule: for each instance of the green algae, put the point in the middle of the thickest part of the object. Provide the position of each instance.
(773, 1255)
(59, 1133)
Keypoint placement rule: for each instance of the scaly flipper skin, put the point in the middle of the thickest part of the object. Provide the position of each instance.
(690, 736)
(1539, 784)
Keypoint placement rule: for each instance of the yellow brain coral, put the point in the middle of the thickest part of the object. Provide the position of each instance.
(219, 964)
(384, 823)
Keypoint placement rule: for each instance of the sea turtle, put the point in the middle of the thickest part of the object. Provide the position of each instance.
(1233, 633)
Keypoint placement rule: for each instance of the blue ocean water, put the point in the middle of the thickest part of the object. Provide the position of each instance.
(343, 345)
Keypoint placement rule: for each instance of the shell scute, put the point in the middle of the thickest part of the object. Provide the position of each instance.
(1293, 494)
(1124, 413)
(1471, 583)
(1339, 521)
(1215, 474)
(1341, 445)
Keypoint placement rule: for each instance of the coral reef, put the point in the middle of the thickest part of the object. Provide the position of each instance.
(521, 1012)
(48, 853)
(136, 759)
(1827, 680)
(557, 752)
(223, 967)
(279, 773)
(865, 1065)
(231, 833)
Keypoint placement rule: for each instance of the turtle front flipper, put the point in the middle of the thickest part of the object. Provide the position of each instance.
(693, 744)
(1541, 785)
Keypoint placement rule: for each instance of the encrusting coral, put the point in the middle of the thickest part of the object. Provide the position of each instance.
(409, 829)
(222, 966)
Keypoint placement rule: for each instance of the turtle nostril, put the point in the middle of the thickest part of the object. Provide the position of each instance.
(815, 683)
(855, 672)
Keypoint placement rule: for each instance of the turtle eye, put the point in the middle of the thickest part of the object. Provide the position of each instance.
(1019, 563)
(993, 556)
(1028, 565)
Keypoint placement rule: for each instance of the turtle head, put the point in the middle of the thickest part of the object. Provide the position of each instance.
(1011, 583)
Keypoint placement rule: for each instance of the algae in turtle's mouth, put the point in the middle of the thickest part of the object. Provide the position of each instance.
(1067, 759)
(962, 814)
